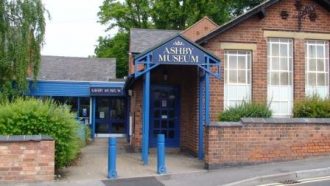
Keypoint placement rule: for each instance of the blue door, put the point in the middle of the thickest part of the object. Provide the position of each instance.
(110, 115)
(164, 117)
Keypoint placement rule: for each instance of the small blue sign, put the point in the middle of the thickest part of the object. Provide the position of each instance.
(106, 91)
(178, 51)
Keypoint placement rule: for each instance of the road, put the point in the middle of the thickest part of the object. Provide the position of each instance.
(318, 181)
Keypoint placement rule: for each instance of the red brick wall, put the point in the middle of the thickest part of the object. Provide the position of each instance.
(265, 141)
(27, 161)
(185, 77)
(199, 29)
(251, 31)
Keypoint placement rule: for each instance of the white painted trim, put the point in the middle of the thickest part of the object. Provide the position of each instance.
(109, 135)
(297, 35)
(238, 46)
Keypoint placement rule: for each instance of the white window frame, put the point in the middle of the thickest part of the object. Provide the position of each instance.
(279, 94)
(239, 86)
(321, 90)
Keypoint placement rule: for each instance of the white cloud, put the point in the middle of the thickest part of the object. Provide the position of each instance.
(73, 29)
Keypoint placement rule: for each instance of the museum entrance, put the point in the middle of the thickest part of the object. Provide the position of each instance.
(164, 117)
(110, 116)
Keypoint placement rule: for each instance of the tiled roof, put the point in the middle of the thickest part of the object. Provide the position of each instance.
(77, 68)
(143, 39)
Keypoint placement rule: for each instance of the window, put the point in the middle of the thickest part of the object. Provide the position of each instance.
(280, 61)
(280, 84)
(317, 68)
(237, 77)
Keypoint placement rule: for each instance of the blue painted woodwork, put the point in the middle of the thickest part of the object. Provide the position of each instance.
(165, 119)
(93, 116)
(67, 88)
(146, 115)
(177, 55)
(203, 56)
(201, 115)
(178, 51)
(112, 158)
(161, 167)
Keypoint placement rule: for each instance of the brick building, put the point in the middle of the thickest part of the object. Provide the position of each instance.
(276, 53)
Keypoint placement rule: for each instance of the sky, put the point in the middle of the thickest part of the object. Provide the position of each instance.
(73, 29)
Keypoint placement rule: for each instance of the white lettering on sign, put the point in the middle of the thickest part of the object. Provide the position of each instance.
(178, 54)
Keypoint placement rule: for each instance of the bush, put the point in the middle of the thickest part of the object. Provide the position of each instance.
(312, 107)
(33, 117)
(244, 110)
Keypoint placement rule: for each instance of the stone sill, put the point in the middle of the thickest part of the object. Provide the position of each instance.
(271, 121)
(22, 138)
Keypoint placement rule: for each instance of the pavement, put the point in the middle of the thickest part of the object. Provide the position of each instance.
(93, 163)
(182, 170)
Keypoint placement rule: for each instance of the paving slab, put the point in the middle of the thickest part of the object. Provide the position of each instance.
(93, 163)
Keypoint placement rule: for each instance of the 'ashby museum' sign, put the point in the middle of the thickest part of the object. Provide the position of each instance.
(106, 91)
(178, 51)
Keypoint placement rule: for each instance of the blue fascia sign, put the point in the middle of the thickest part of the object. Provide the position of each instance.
(106, 91)
(178, 51)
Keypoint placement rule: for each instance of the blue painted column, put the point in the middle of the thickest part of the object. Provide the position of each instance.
(93, 116)
(201, 118)
(146, 114)
(78, 107)
(161, 167)
(207, 94)
(112, 157)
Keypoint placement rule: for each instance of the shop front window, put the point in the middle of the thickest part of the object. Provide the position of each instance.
(72, 102)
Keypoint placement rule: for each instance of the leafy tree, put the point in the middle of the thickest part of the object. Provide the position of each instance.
(116, 46)
(131, 13)
(160, 14)
(22, 29)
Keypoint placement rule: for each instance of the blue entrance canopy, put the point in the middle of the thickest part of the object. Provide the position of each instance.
(177, 51)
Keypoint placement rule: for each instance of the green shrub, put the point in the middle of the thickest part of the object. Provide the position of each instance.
(33, 117)
(312, 107)
(88, 134)
(244, 110)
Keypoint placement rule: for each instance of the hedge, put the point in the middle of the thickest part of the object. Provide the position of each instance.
(32, 117)
(244, 110)
(312, 107)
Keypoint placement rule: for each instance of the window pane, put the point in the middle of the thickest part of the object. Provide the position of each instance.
(275, 63)
(284, 78)
(312, 79)
(248, 76)
(226, 74)
(275, 50)
(320, 65)
(312, 51)
(284, 50)
(284, 63)
(320, 51)
(232, 62)
(275, 78)
(312, 65)
(321, 79)
(241, 62)
(232, 76)
(241, 76)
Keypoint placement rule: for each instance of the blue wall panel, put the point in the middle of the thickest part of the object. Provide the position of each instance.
(67, 88)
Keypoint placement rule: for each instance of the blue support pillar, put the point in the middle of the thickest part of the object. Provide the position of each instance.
(201, 119)
(207, 94)
(161, 167)
(146, 114)
(93, 116)
(112, 158)
(78, 107)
